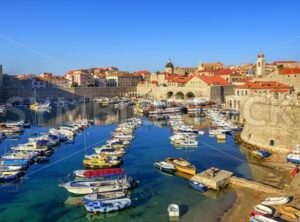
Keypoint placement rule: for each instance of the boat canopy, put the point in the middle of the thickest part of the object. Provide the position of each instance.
(104, 172)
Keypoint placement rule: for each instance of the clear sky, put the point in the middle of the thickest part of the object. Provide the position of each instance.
(59, 35)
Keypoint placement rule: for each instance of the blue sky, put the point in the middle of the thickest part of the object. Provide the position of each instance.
(59, 35)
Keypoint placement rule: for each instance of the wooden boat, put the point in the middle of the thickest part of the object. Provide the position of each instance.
(291, 210)
(286, 213)
(293, 158)
(173, 211)
(182, 165)
(99, 173)
(164, 166)
(261, 218)
(263, 209)
(276, 201)
(198, 186)
(107, 206)
(103, 196)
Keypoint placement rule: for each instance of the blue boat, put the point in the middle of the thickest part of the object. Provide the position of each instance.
(261, 153)
(293, 158)
(10, 162)
(198, 186)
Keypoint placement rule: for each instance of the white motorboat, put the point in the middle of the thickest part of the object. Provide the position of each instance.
(103, 196)
(30, 147)
(88, 187)
(260, 218)
(263, 209)
(107, 206)
(276, 200)
(122, 136)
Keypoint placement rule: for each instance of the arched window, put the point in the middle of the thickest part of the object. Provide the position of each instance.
(272, 142)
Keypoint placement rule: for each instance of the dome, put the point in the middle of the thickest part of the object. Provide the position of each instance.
(169, 64)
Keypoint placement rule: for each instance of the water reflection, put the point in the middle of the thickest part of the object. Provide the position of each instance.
(58, 115)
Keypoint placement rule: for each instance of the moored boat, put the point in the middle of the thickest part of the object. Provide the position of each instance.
(107, 206)
(261, 153)
(198, 186)
(103, 196)
(293, 158)
(261, 218)
(164, 166)
(276, 200)
(263, 209)
(99, 173)
(182, 165)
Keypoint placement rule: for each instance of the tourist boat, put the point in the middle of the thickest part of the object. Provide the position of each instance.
(103, 196)
(164, 166)
(20, 163)
(261, 153)
(88, 187)
(97, 163)
(276, 201)
(261, 218)
(182, 165)
(107, 206)
(10, 176)
(293, 158)
(102, 173)
(173, 211)
(198, 186)
(263, 209)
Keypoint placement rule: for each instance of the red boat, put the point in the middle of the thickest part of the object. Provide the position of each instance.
(99, 173)
(254, 213)
(294, 171)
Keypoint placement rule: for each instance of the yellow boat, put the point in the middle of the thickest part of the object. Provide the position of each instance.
(288, 214)
(290, 209)
(33, 106)
(97, 163)
(221, 136)
(182, 165)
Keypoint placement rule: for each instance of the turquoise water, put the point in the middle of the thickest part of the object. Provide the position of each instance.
(39, 198)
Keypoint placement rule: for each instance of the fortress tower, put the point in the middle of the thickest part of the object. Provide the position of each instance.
(260, 65)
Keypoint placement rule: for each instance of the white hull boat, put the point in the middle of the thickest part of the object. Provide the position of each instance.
(276, 201)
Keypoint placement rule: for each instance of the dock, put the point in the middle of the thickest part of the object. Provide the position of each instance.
(213, 178)
(217, 179)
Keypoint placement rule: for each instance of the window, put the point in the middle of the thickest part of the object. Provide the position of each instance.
(272, 142)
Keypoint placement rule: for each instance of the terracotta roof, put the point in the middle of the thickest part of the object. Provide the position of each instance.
(142, 72)
(226, 72)
(214, 80)
(279, 62)
(264, 85)
(179, 79)
(246, 79)
(288, 71)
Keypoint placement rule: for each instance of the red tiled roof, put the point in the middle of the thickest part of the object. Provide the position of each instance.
(142, 72)
(226, 72)
(279, 62)
(246, 79)
(214, 80)
(179, 79)
(264, 85)
(288, 71)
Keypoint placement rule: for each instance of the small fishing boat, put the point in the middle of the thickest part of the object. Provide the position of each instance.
(97, 163)
(107, 206)
(276, 200)
(261, 153)
(263, 209)
(109, 151)
(287, 213)
(99, 173)
(293, 158)
(182, 165)
(261, 218)
(173, 211)
(164, 166)
(290, 209)
(188, 143)
(198, 186)
(103, 196)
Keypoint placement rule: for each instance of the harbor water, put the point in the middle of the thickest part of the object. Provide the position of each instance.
(38, 197)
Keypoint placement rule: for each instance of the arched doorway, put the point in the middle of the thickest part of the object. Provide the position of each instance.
(190, 95)
(179, 95)
(169, 94)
